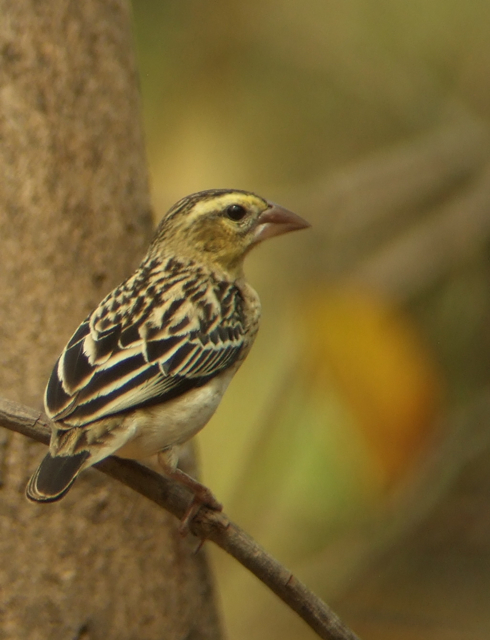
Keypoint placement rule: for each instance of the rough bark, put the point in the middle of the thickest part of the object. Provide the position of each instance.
(74, 221)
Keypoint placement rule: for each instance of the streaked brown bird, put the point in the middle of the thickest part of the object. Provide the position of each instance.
(146, 370)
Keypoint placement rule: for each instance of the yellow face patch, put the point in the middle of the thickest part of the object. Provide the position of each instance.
(201, 229)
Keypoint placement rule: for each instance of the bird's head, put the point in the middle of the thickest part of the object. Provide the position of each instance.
(220, 226)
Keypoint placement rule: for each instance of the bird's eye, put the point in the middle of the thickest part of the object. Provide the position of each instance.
(236, 212)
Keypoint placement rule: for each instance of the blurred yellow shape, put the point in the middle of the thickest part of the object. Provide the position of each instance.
(379, 364)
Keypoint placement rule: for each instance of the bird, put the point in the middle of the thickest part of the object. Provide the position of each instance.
(147, 368)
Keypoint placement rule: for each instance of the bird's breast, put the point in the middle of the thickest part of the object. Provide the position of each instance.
(174, 422)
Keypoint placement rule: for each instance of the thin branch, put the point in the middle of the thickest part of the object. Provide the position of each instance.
(402, 178)
(208, 525)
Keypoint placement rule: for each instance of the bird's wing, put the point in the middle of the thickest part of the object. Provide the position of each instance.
(115, 362)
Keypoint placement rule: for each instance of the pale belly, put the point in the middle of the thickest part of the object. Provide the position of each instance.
(153, 429)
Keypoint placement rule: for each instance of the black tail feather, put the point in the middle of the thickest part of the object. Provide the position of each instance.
(54, 477)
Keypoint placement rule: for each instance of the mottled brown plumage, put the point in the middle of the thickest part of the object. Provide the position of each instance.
(147, 368)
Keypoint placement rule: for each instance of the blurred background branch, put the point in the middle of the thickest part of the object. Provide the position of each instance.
(402, 222)
(360, 418)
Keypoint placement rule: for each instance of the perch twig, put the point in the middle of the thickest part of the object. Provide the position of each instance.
(208, 525)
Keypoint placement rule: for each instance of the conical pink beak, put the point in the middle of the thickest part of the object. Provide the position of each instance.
(275, 221)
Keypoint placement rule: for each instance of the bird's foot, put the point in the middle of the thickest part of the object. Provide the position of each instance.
(203, 497)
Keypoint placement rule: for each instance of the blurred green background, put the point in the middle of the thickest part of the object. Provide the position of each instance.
(353, 444)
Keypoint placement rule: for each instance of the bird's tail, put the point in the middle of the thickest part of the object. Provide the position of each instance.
(54, 477)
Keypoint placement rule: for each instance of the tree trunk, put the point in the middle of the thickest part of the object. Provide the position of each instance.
(74, 221)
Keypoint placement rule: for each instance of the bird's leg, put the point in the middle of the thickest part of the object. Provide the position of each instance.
(202, 495)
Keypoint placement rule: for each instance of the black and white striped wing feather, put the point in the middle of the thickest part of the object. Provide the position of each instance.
(152, 352)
